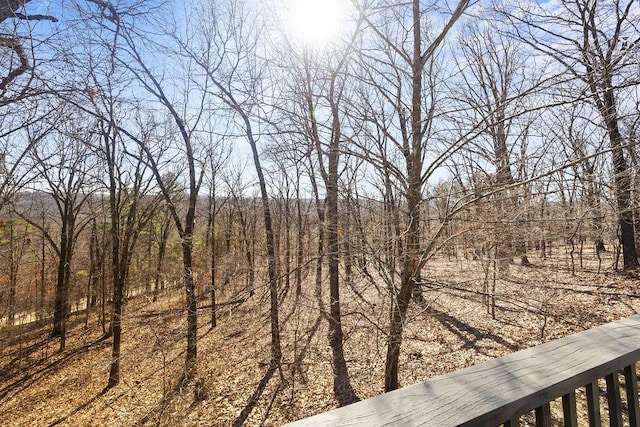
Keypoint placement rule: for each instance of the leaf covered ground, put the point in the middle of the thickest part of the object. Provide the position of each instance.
(451, 329)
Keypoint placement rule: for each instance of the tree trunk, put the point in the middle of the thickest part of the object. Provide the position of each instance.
(342, 388)
(190, 290)
(162, 251)
(212, 259)
(251, 276)
(116, 327)
(43, 270)
(299, 243)
(623, 183)
(320, 209)
(413, 158)
(13, 273)
(95, 258)
(287, 241)
(61, 307)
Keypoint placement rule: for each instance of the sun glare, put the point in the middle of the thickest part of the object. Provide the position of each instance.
(315, 22)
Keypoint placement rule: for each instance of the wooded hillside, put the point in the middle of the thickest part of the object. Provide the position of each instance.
(239, 212)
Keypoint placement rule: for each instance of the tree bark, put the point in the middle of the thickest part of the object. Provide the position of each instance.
(342, 388)
(413, 153)
(622, 181)
(413, 159)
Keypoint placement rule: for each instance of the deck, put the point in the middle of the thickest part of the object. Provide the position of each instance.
(500, 391)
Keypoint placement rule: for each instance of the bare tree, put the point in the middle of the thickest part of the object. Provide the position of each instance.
(322, 81)
(241, 205)
(17, 47)
(129, 49)
(236, 76)
(64, 165)
(591, 40)
(14, 244)
(408, 58)
(582, 140)
(495, 78)
(217, 158)
(130, 208)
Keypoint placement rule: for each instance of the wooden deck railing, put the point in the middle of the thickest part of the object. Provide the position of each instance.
(502, 390)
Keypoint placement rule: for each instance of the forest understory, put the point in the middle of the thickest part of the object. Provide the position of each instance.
(450, 330)
(305, 179)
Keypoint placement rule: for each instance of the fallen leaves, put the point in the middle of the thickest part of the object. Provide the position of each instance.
(42, 386)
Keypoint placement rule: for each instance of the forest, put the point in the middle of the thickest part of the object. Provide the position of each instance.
(243, 212)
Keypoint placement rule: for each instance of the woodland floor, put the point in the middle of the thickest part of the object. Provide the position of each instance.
(40, 386)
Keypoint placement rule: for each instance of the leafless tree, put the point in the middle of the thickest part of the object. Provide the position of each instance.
(320, 83)
(217, 158)
(593, 41)
(582, 140)
(63, 163)
(398, 78)
(236, 77)
(493, 69)
(130, 209)
(130, 49)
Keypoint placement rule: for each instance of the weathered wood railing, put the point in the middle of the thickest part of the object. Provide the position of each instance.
(502, 390)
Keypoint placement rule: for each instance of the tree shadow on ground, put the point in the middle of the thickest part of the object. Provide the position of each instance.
(76, 410)
(22, 355)
(24, 381)
(24, 340)
(255, 397)
(470, 335)
(297, 364)
(274, 366)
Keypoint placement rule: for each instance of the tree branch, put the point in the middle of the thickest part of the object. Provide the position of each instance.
(36, 17)
(14, 44)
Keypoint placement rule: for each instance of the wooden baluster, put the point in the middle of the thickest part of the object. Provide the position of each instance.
(593, 404)
(631, 386)
(613, 397)
(513, 422)
(543, 416)
(569, 409)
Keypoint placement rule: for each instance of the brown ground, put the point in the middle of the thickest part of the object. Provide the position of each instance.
(40, 386)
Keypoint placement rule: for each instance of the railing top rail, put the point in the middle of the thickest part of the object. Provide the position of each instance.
(495, 391)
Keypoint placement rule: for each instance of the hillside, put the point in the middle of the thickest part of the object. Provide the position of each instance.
(451, 330)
